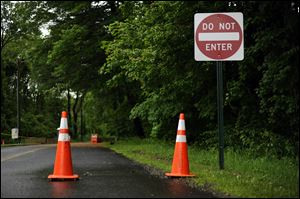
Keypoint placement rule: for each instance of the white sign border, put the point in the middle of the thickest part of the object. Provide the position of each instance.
(238, 56)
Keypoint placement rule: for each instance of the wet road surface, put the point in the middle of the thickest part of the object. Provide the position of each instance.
(103, 174)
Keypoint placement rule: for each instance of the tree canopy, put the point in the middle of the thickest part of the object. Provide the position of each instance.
(127, 68)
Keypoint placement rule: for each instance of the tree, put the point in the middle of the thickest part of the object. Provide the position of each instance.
(20, 24)
(153, 50)
(73, 55)
(129, 66)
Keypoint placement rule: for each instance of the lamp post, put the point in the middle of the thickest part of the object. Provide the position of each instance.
(18, 104)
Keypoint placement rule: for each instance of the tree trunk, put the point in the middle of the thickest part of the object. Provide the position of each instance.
(137, 121)
(138, 127)
(79, 108)
(69, 111)
(75, 115)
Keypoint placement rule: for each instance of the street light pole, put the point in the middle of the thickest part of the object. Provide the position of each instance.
(18, 104)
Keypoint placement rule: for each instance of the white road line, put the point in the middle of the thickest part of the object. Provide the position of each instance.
(20, 154)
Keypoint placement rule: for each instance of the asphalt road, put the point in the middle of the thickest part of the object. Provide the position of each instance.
(103, 174)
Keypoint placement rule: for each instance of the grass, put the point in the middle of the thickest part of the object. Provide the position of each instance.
(243, 176)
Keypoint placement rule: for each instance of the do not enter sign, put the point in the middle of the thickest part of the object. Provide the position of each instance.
(219, 36)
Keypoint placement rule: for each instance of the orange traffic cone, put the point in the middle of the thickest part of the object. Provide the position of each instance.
(180, 165)
(63, 168)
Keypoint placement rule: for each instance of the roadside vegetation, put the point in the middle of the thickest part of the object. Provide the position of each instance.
(245, 175)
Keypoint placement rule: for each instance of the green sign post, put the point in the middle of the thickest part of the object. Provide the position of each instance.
(219, 37)
(220, 113)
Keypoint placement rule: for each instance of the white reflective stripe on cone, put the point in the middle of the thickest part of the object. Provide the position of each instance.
(180, 138)
(63, 137)
(181, 125)
(63, 123)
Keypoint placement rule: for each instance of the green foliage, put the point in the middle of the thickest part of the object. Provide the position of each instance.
(147, 57)
(260, 142)
(244, 175)
(107, 120)
(18, 20)
(159, 60)
(129, 66)
(37, 125)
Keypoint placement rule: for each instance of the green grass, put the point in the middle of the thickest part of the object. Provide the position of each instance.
(243, 176)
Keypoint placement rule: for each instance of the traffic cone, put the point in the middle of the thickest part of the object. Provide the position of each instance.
(63, 168)
(180, 165)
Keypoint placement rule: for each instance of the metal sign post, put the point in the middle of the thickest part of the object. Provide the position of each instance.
(220, 113)
(219, 37)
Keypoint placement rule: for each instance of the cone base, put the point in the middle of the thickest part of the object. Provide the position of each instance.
(63, 177)
(179, 175)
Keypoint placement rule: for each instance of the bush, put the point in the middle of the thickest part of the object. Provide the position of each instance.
(260, 142)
